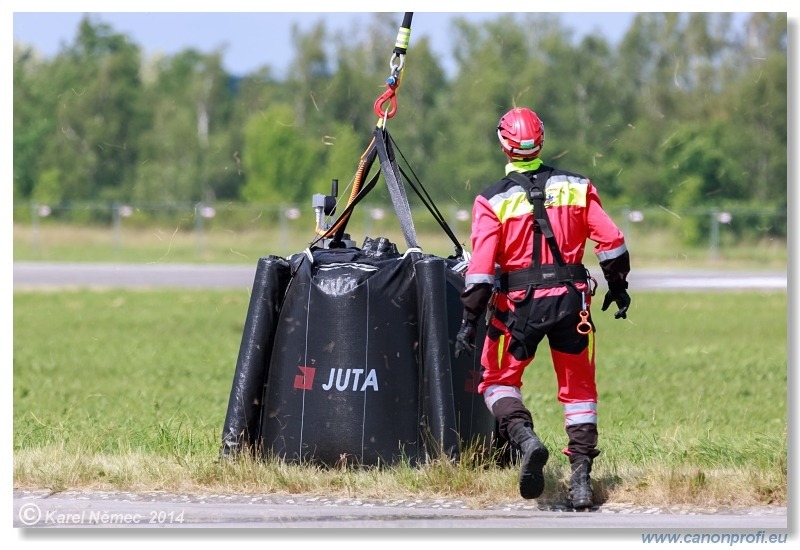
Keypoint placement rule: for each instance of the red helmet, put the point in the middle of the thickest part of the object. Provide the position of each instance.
(521, 133)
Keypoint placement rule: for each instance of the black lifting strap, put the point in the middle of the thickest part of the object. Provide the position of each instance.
(539, 275)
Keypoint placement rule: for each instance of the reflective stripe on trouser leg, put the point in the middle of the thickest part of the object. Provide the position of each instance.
(577, 392)
(505, 403)
(580, 413)
(494, 393)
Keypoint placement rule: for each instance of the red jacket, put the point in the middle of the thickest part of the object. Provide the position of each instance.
(502, 222)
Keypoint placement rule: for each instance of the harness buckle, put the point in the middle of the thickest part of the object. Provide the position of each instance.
(548, 272)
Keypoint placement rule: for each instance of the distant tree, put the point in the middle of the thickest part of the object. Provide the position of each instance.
(489, 60)
(97, 84)
(343, 150)
(280, 162)
(187, 151)
(250, 95)
(423, 118)
(755, 107)
(34, 121)
(688, 110)
(310, 71)
(698, 172)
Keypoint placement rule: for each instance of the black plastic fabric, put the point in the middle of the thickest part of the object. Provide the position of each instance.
(361, 368)
(243, 417)
(475, 423)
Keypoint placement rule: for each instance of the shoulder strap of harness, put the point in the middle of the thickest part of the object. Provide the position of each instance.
(539, 275)
(541, 223)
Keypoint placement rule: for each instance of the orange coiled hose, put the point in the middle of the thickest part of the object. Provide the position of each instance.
(357, 180)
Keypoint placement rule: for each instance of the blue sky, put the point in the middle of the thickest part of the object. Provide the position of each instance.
(257, 33)
(252, 40)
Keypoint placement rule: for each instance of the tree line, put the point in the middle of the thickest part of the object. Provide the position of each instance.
(687, 110)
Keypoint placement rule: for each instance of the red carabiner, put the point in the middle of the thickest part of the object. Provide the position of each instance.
(389, 94)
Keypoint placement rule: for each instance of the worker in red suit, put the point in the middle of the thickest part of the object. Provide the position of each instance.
(529, 232)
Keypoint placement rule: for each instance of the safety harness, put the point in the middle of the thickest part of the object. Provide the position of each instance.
(539, 275)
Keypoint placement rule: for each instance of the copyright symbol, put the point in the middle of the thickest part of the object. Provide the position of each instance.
(29, 514)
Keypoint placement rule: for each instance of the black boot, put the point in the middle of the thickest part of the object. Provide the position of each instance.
(534, 457)
(580, 484)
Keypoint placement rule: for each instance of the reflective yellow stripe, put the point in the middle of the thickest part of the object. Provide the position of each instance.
(403, 35)
(569, 192)
(511, 206)
(591, 346)
(501, 345)
(560, 190)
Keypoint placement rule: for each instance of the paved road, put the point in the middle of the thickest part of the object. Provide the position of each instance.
(35, 274)
(41, 509)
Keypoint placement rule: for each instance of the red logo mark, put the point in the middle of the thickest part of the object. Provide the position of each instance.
(306, 380)
(471, 384)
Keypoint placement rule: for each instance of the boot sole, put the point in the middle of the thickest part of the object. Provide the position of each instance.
(531, 475)
(582, 505)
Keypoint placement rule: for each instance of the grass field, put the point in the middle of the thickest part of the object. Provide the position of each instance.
(180, 243)
(128, 390)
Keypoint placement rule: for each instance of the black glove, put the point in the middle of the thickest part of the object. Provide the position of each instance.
(620, 297)
(465, 339)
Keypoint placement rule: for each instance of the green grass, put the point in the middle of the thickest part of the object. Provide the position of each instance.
(129, 390)
(181, 243)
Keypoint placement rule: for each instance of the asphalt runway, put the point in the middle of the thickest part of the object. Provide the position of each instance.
(55, 275)
(77, 509)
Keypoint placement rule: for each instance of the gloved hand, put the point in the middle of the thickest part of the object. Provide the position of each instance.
(620, 297)
(465, 339)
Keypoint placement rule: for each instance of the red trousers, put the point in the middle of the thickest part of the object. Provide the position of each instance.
(504, 358)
